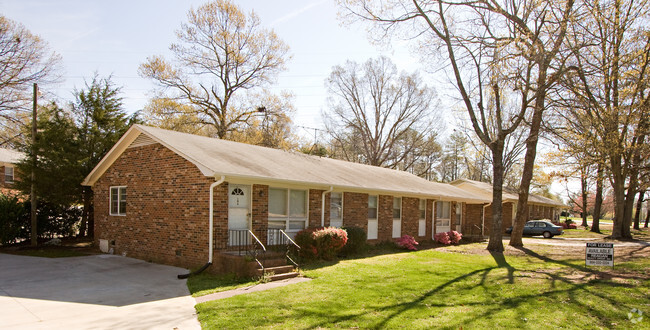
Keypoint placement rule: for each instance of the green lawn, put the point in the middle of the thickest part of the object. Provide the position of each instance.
(445, 289)
(206, 283)
(642, 234)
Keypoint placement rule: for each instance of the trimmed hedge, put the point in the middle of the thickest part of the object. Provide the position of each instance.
(321, 243)
(357, 240)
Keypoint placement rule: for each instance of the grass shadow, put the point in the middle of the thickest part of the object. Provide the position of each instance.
(502, 263)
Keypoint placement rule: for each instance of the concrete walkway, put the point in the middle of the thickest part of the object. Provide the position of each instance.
(92, 292)
(249, 289)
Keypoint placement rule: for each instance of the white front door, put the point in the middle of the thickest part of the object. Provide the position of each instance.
(238, 213)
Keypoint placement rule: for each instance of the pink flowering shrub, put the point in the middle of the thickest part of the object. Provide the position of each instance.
(407, 242)
(450, 237)
(455, 237)
(442, 238)
(321, 243)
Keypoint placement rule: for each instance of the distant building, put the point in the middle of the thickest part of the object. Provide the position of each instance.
(538, 207)
(9, 175)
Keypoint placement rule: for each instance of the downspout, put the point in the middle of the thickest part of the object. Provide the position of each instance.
(211, 226)
(322, 209)
(210, 233)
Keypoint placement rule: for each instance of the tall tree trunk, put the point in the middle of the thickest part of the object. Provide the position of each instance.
(618, 185)
(595, 222)
(529, 166)
(496, 234)
(647, 216)
(639, 207)
(583, 189)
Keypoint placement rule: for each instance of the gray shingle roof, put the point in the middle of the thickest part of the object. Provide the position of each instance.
(215, 157)
(8, 156)
(509, 195)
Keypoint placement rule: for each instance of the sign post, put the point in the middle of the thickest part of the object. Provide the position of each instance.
(599, 254)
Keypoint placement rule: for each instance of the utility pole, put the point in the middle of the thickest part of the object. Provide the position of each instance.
(34, 231)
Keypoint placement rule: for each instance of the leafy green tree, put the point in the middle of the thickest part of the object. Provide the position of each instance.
(71, 142)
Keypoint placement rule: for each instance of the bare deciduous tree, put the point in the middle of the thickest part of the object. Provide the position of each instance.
(611, 94)
(24, 60)
(503, 58)
(222, 54)
(378, 115)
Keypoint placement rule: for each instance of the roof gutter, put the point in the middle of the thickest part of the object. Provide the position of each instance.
(322, 209)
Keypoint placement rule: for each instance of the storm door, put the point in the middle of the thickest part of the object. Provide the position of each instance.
(238, 214)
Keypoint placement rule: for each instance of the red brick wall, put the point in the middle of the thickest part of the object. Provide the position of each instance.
(507, 215)
(430, 215)
(474, 217)
(355, 210)
(410, 216)
(220, 214)
(167, 207)
(260, 211)
(385, 218)
(315, 207)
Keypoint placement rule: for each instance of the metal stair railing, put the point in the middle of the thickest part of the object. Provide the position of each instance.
(244, 240)
(278, 239)
(293, 249)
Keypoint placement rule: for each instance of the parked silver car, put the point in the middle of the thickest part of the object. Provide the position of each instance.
(540, 227)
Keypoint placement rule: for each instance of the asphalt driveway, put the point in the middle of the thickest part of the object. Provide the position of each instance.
(92, 292)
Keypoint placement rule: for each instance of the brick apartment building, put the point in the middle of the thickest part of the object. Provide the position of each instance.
(154, 188)
(538, 207)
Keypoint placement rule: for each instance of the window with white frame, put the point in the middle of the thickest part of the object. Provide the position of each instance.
(9, 174)
(118, 200)
(287, 209)
(443, 214)
(422, 223)
(336, 209)
(459, 216)
(397, 217)
(372, 217)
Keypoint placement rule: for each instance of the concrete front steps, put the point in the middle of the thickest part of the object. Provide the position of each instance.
(276, 268)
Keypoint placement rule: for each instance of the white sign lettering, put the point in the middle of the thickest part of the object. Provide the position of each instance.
(599, 254)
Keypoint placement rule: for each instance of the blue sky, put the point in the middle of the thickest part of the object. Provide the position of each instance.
(115, 37)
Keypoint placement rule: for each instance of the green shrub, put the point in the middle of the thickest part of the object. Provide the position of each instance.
(12, 218)
(53, 220)
(357, 240)
(321, 243)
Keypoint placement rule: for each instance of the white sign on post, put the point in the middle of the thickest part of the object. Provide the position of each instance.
(599, 254)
